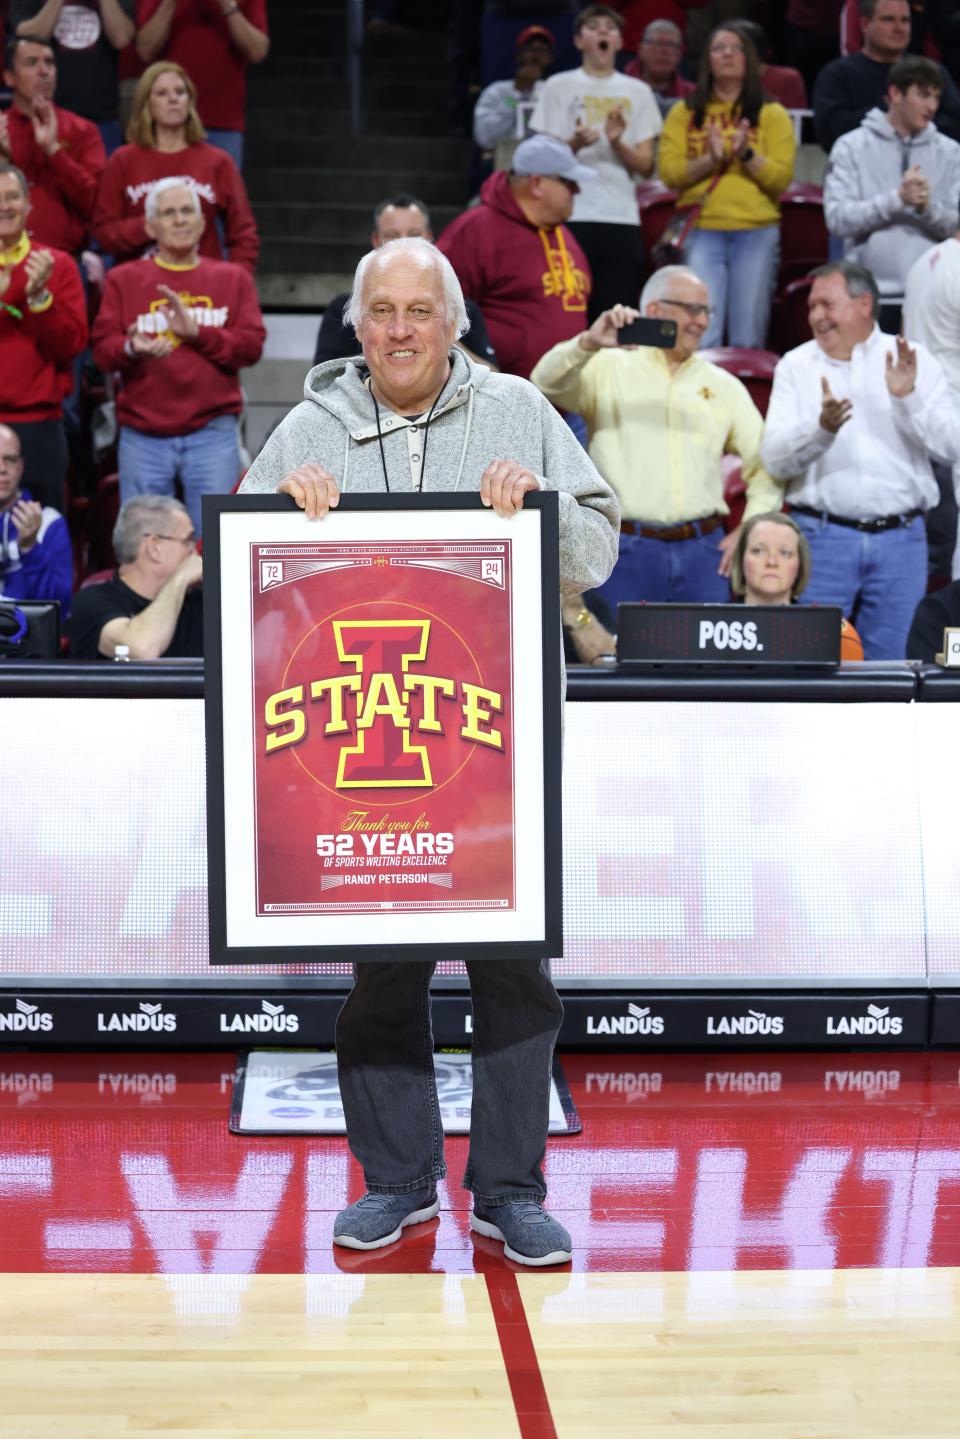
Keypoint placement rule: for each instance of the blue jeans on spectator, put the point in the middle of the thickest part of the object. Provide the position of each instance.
(876, 580)
(385, 1067)
(111, 135)
(739, 268)
(229, 140)
(579, 427)
(206, 462)
(666, 572)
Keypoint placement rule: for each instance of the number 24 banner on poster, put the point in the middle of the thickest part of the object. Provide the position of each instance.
(383, 700)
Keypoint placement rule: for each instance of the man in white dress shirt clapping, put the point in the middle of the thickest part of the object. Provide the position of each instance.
(854, 420)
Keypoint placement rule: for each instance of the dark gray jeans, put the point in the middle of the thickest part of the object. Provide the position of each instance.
(385, 1066)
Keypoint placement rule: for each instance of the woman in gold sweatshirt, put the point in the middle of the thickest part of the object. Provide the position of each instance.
(730, 150)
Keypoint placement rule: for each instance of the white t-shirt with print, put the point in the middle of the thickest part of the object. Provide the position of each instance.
(574, 95)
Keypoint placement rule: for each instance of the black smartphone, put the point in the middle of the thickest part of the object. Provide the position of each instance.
(658, 334)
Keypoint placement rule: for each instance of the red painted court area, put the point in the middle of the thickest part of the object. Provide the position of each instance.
(124, 1164)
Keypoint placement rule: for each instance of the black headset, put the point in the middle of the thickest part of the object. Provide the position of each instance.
(13, 629)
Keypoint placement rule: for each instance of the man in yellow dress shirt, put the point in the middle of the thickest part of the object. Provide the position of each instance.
(660, 423)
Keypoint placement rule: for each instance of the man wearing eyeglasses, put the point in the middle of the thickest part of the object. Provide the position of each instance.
(153, 604)
(658, 61)
(660, 422)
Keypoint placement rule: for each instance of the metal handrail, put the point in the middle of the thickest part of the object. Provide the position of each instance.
(354, 49)
(525, 109)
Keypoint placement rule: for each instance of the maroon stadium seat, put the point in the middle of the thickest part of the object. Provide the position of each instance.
(804, 242)
(106, 507)
(734, 491)
(657, 207)
(754, 367)
(97, 578)
(790, 326)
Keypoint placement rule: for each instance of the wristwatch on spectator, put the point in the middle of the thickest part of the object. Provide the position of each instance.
(747, 154)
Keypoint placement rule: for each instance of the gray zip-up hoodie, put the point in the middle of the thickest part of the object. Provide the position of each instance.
(479, 417)
(861, 196)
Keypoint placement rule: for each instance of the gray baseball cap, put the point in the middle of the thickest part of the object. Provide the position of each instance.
(546, 155)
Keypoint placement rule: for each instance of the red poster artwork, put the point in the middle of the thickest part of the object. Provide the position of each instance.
(383, 726)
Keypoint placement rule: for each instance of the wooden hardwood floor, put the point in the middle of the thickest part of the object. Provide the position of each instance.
(863, 1354)
(90, 1357)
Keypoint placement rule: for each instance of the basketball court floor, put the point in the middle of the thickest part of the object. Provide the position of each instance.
(766, 1247)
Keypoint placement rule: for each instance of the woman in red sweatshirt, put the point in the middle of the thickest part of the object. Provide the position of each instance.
(167, 139)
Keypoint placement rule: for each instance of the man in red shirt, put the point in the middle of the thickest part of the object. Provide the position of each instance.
(658, 60)
(60, 153)
(179, 351)
(214, 41)
(516, 258)
(43, 327)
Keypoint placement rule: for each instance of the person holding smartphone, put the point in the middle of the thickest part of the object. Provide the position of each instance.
(660, 420)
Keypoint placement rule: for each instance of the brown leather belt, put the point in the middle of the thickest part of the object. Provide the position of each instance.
(688, 531)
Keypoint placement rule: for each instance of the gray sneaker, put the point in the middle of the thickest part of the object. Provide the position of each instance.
(377, 1219)
(529, 1235)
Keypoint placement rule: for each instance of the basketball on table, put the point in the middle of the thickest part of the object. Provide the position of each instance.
(851, 645)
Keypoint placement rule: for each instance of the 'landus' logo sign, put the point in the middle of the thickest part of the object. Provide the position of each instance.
(26, 1019)
(356, 729)
(148, 1018)
(270, 1020)
(877, 1020)
(635, 1021)
(754, 1022)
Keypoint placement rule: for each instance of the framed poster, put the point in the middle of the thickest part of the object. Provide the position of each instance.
(383, 705)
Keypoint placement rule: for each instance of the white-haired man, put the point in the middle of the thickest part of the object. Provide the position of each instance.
(660, 422)
(153, 603)
(178, 327)
(414, 414)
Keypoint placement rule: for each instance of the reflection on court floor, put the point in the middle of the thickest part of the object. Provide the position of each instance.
(759, 1241)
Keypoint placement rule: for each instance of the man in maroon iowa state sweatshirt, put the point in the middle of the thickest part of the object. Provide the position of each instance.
(514, 256)
(60, 153)
(178, 328)
(43, 326)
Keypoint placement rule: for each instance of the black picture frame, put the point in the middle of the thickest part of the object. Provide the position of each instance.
(549, 943)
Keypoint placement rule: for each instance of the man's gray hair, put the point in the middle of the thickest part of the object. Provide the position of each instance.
(170, 182)
(7, 169)
(857, 278)
(427, 254)
(657, 27)
(661, 282)
(140, 517)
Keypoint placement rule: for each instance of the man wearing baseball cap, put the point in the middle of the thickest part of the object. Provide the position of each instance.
(515, 257)
(495, 115)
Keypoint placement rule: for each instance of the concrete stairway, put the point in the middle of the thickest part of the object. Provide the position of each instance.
(312, 184)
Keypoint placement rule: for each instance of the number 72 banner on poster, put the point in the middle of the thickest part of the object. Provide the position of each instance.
(383, 704)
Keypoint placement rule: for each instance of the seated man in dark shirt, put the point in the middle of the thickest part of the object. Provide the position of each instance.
(399, 217)
(936, 612)
(153, 605)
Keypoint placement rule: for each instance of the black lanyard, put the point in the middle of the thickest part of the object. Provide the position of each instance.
(426, 436)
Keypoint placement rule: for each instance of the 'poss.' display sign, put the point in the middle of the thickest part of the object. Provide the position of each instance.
(728, 634)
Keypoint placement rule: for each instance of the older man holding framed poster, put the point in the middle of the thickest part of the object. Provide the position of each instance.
(397, 674)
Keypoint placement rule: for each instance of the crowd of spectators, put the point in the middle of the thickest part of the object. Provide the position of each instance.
(135, 261)
(126, 273)
(860, 432)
